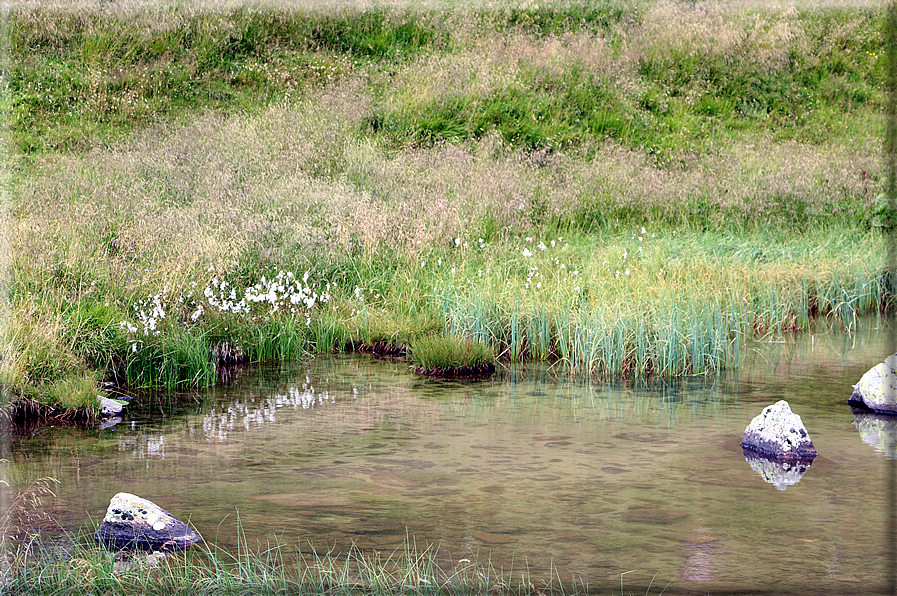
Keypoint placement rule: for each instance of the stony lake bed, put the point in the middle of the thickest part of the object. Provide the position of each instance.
(537, 472)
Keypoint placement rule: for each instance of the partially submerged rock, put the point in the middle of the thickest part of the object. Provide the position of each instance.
(109, 407)
(134, 523)
(877, 389)
(778, 434)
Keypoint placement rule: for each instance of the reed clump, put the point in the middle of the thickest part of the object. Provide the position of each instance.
(450, 356)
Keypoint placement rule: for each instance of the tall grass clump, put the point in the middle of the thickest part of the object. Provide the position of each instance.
(451, 356)
(83, 568)
(632, 316)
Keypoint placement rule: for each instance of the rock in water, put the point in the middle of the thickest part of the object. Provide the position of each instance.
(778, 434)
(877, 389)
(133, 523)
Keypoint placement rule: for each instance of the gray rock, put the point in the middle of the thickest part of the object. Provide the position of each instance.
(877, 389)
(134, 523)
(877, 430)
(782, 474)
(778, 434)
(109, 407)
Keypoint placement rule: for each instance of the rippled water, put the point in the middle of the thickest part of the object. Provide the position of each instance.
(528, 468)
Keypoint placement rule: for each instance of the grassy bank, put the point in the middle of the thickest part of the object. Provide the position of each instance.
(627, 189)
(83, 568)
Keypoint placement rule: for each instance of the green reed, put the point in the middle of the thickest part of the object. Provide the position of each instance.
(447, 354)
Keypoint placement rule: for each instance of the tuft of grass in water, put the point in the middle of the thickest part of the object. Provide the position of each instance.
(451, 356)
(84, 568)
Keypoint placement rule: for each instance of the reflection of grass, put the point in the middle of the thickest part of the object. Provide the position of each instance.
(208, 569)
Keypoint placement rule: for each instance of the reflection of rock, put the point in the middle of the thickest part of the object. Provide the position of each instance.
(109, 422)
(133, 523)
(780, 473)
(877, 389)
(778, 433)
(877, 430)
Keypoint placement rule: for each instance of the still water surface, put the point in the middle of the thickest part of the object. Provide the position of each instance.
(528, 468)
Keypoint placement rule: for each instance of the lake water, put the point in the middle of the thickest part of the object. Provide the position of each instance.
(528, 468)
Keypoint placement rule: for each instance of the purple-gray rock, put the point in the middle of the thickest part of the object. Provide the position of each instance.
(877, 389)
(134, 523)
(779, 434)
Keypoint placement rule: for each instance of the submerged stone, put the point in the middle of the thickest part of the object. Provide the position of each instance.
(877, 389)
(134, 523)
(778, 434)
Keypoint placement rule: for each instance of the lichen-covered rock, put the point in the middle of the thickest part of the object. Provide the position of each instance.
(134, 523)
(779, 434)
(781, 474)
(877, 430)
(109, 407)
(877, 389)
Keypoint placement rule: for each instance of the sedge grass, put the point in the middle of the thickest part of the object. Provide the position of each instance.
(451, 356)
(83, 568)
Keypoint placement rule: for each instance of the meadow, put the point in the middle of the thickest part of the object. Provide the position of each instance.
(624, 189)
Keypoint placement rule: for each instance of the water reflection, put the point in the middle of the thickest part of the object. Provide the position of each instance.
(143, 446)
(594, 479)
(778, 473)
(877, 430)
(222, 420)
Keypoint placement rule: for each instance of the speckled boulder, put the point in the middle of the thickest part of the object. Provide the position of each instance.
(133, 523)
(779, 434)
(877, 389)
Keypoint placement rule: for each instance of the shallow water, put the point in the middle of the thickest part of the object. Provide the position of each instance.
(529, 469)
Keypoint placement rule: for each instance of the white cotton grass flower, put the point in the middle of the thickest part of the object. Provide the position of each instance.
(527, 253)
(197, 314)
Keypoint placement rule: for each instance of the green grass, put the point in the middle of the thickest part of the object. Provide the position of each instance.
(83, 568)
(451, 356)
(79, 77)
(415, 162)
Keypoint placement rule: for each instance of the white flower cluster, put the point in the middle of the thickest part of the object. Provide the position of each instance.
(150, 311)
(281, 293)
(286, 292)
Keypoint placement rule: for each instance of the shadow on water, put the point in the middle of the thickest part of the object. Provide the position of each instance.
(528, 467)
